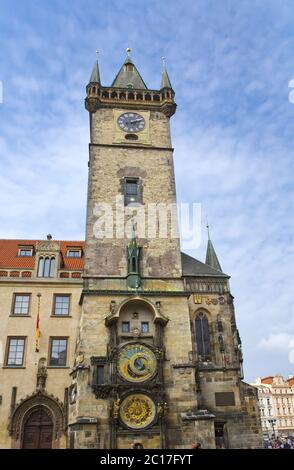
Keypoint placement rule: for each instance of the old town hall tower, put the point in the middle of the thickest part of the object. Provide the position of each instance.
(158, 357)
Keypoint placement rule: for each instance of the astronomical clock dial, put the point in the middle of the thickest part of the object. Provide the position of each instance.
(137, 411)
(131, 122)
(136, 363)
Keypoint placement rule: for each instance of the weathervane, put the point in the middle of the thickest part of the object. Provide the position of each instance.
(207, 226)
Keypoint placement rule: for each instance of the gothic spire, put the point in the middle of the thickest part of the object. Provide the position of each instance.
(95, 75)
(211, 258)
(165, 81)
(128, 75)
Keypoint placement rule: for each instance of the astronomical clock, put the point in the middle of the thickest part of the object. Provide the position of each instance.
(131, 375)
(136, 363)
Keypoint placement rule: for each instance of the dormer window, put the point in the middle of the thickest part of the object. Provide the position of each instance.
(130, 85)
(25, 251)
(46, 266)
(74, 253)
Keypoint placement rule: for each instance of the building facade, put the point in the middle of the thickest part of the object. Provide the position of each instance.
(276, 402)
(145, 347)
(42, 276)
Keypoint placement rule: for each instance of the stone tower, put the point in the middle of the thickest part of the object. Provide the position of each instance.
(158, 354)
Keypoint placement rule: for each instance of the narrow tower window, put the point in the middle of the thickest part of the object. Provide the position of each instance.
(132, 193)
(202, 337)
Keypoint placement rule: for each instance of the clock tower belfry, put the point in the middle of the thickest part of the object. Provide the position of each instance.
(148, 348)
(135, 319)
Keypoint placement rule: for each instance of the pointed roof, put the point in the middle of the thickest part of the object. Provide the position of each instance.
(211, 258)
(95, 75)
(165, 81)
(193, 267)
(129, 76)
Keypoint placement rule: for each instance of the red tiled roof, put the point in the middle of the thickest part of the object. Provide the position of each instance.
(267, 380)
(9, 258)
(291, 381)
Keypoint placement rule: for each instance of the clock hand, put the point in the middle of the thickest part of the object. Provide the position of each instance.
(136, 120)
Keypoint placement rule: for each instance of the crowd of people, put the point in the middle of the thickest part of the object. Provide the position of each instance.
(279, 443)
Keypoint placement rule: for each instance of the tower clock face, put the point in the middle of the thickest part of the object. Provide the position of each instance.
(131, 122)
(136, 363)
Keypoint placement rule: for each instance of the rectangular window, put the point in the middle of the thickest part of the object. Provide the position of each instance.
(58, 352)
(15, 352)
(21, 304)
(125, 327)
(74, 253)
(61, 305)
(25, 251)
(100, 375)
(132, 193)
(145, 326)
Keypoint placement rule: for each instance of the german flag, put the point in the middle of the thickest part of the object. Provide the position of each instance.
(38, 332)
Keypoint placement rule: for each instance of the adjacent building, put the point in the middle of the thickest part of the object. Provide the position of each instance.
(45, 277)
(276, 402)
(123, 338)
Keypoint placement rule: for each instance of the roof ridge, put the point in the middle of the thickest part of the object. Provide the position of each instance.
(209, 270)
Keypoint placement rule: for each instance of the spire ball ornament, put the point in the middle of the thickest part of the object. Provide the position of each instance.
(128, 51)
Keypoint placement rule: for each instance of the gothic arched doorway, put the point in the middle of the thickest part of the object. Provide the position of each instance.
(38, 429)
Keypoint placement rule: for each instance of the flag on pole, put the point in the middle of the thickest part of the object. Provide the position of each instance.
(38, 331)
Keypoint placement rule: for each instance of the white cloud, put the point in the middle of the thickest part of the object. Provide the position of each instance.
(233, 133)
(277, 342)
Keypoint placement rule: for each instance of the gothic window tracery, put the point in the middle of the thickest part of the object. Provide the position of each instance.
(202, 337)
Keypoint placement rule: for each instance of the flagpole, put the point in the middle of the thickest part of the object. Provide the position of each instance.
(38, 323)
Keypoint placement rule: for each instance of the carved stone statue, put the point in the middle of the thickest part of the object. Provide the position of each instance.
(219, 323)
(221, 343)
(112, 306)
(41, 374)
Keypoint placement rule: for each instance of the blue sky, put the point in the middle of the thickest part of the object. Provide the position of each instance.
(230, 64)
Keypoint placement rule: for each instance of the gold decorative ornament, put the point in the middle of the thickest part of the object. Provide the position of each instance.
(197, 299)
(137, 411)
(136, 363)
(116, 408)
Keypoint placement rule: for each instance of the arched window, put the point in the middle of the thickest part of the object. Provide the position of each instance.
(46, 267)
(41, 267)
(52, 267)
(202, 337)
(46, 271)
